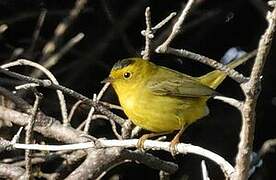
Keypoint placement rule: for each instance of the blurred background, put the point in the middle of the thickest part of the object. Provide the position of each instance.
(112, 30)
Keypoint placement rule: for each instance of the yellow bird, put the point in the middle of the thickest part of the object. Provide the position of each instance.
(160, 99)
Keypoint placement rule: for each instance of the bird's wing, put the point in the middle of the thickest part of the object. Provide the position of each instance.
(172, 83)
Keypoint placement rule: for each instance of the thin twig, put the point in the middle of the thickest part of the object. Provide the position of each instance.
(102, 91)
(26, 86)
(135, 131)
(37, 30)
(114, 129)
(176, 28)
(163, 22)
(204, 170)
(61, 97)
(268, 146)
(95, 116)
(231, 101)
(29, 134)
(16, 137)
(148, 35)
(89, 116)
(149, 32)
(73, 109)
(149, 144)
(208, 61)
(51, 46)
(81, 126)
(111, 106)
(96, 99)
(53, 59)
(190, 25)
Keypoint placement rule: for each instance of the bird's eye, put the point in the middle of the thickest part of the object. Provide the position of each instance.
(127, 75)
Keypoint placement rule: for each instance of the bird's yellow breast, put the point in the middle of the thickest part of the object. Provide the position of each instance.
(161, 113)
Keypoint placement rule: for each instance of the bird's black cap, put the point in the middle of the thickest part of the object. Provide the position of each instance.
(122, 63)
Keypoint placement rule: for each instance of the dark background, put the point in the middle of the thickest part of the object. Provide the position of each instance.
(112, 32)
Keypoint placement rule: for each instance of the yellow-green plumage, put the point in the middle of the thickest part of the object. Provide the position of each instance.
(160, 99)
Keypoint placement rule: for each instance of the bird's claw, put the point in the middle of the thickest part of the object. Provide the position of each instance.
(140, 143)
(173, 149)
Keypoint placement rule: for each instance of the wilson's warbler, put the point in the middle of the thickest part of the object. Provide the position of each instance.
(160, 99)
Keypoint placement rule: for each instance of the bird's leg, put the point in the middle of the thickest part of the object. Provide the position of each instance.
(140, 144)
(176, 138)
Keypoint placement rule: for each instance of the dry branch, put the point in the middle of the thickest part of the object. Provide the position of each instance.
(148, 35)
(47, 126)
(252, 89)
(96, 162)
(29, 136)
(149, 144)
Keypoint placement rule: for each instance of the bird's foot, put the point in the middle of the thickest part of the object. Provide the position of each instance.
(140, 144)
(173, 144)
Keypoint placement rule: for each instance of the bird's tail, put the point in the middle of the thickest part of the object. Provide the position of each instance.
(215, 78)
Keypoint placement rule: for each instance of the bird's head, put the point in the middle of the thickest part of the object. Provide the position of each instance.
(129, 73)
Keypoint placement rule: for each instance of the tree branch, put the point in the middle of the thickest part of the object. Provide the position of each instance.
(252, 90)
(29, 134)
(47, 126)
(148, 35)
(48, 84)
(149, 144)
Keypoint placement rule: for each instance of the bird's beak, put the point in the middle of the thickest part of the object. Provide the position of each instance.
(107, 80)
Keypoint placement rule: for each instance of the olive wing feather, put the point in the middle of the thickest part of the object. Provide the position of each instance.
(173, 83)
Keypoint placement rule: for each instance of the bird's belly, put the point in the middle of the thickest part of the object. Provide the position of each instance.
(162, 113)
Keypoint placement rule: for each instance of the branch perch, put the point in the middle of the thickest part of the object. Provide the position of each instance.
(149, 144)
